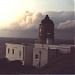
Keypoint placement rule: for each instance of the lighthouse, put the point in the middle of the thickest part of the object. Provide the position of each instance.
(46, 31)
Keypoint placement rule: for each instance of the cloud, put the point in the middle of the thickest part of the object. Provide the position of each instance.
(66, 25)
(29, 22)
(61, 16)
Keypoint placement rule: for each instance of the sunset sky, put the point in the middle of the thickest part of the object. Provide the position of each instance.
(10, 9)
(23, 14)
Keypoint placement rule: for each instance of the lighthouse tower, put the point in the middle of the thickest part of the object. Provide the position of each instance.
(46, 31)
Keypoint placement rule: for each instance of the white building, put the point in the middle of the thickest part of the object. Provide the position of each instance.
(43, 55)
(23, 52)
(40, 56)
(35, 55)
(63, 48)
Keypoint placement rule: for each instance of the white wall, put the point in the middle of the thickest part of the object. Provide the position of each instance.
(44, 57)
(65, 49)
(26, 53)
(16, 48)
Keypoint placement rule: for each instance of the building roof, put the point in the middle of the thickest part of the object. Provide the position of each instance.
(19, 43)
(54, 46)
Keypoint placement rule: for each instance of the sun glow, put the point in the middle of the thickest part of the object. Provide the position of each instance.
(9, 9)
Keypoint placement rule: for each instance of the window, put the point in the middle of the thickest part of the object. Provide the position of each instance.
(19, 53)
(37, 57)
(12, 51)
(8, 50)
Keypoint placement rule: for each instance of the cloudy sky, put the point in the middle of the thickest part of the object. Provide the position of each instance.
(21, 18)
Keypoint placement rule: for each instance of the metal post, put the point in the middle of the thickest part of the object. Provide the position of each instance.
(39, 59)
